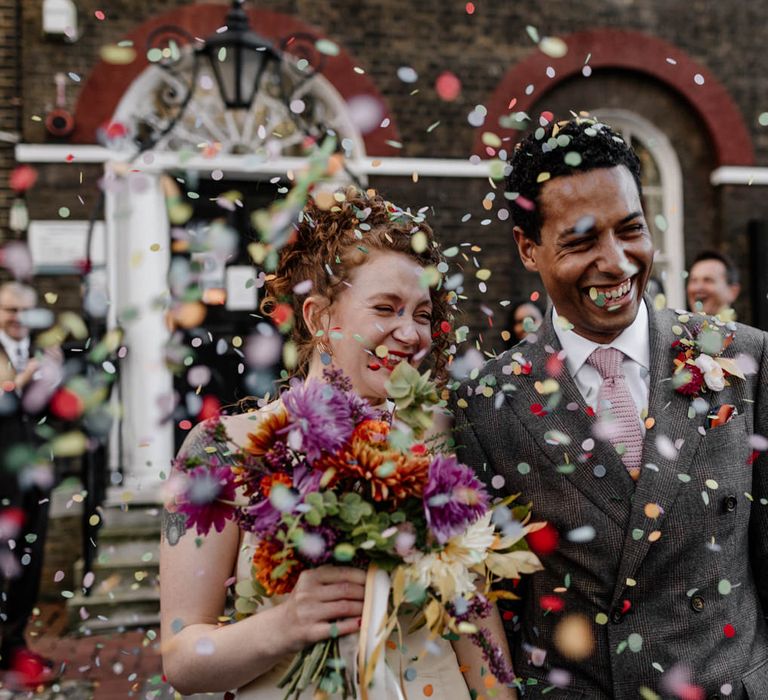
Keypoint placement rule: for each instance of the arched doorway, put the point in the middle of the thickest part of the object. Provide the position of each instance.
(169, 210)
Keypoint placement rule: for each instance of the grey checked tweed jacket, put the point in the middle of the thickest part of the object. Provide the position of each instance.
(653, 601)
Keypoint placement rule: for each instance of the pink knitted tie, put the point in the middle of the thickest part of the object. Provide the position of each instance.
(616, 409)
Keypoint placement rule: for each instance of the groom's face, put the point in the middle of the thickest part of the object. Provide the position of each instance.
(596, 252)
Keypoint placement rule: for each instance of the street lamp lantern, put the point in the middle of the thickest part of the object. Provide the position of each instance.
(238, 57)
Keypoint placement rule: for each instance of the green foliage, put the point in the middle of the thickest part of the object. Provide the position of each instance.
(352, 508)
(415, 397)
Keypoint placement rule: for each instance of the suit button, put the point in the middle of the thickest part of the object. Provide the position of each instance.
(617, 617)
(697, 603)
(729, 504)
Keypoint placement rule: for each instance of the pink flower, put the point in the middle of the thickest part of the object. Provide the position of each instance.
(207, 498)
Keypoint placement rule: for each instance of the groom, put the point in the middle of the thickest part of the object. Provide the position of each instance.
(655, 486)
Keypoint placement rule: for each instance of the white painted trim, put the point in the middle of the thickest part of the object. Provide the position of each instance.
(157, 162)
(738, 175)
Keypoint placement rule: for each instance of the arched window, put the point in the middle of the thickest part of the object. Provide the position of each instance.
(662, 196)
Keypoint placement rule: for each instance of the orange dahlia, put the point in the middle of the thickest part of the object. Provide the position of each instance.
(269, 480)
(386, 472)
(267, 432)
(267, 558)
(263, 438)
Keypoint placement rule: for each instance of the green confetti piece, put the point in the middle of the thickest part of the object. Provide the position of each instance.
(496, 170)
(573, 159)
(344, 552)
(327, 47)
(555, 437)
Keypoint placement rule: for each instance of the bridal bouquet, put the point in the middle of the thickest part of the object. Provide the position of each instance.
(326, 478)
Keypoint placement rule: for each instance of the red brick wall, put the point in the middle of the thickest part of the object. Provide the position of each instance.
(9, 100)
(432, 36)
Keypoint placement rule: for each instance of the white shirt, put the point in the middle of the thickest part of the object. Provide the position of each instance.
(634, 342)
(17, 350)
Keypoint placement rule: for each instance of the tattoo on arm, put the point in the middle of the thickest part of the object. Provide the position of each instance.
(174, 525)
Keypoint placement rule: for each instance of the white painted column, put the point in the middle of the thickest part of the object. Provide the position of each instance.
(139, 235)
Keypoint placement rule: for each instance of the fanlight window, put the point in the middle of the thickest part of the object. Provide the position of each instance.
(285, 111)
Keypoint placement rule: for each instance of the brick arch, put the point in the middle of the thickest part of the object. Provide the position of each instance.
(107, 82)
(632, 51)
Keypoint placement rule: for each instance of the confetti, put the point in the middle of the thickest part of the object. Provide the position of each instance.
(117, 55)
(573, 637)
(554, 47)
(327, 47)
(448, 86)
(407, 74)
(366, 112)
(581, 535)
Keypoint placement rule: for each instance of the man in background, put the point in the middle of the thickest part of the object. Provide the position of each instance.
(713, 285)
(25, 505)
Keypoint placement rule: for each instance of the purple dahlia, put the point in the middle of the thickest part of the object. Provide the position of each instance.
(321, 418)
(453, 497)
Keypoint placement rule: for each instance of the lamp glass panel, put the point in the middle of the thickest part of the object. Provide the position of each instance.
(252, 63)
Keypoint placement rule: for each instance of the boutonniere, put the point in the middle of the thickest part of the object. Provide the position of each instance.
(699, 361)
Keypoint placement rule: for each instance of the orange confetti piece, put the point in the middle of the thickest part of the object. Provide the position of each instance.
(428, 690)
(652, 510)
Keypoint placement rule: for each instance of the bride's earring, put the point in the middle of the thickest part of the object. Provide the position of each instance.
(326, 353)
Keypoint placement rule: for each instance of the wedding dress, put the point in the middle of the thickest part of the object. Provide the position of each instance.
(418, 674)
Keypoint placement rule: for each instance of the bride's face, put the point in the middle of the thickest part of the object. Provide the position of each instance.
(383, 317)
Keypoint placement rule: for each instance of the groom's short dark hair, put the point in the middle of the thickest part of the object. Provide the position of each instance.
(558, 149)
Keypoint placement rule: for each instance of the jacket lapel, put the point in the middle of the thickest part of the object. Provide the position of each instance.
(564, 433)
(664, 466)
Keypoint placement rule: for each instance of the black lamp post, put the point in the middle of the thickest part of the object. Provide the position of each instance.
(238, 57)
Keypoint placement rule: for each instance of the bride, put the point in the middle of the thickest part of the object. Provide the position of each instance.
(352, 278)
